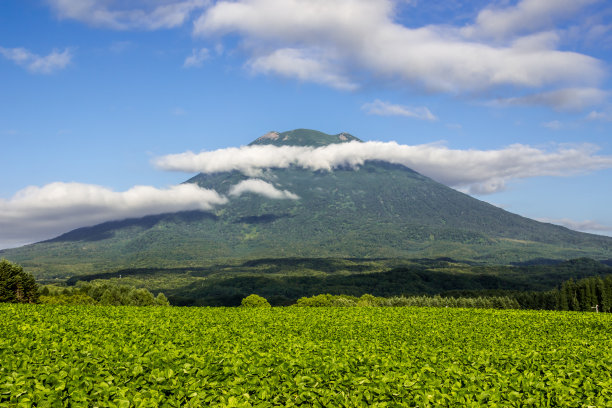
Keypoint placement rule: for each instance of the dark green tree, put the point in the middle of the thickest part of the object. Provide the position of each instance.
(607, 294)
(16, 285)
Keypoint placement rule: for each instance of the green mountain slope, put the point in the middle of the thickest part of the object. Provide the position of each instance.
(379, 210)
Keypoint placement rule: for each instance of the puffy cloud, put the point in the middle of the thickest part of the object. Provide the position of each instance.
(197, 58)
(381, 108)
(475, 171)
(584, 226)
(336, 40)
(132, 14)
(35, 63)
(334, 43)
(258, 186)
(568, 99)
(37, 213)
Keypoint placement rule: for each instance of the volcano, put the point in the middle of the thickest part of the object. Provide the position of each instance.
(374, 210)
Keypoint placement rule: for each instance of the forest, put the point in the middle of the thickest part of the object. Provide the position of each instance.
(576, 285)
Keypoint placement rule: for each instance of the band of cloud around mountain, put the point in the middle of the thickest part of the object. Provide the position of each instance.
(476, 171)
(36, 213)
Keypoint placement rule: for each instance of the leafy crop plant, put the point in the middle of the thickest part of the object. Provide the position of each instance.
(127, 356)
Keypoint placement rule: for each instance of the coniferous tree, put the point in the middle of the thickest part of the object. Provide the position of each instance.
(600, 292)
(16, 286)
(563, 299)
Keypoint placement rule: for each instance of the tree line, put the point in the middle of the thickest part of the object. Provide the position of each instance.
(18, 286)
(587, 294)
(327, 300)
(101, 293)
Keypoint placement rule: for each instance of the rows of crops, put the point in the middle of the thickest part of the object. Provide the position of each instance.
(129, 356)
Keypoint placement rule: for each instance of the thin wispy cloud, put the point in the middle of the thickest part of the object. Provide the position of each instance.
(584, 226)
(161, 14)
(569, 99)
(605, 116)
(553, 125)
(525, 17)
(382, 108)
(178, 111)
(118, 47)
(475, 171)
(261, 187)
(38, 64)
(37, 213)
(197, 58)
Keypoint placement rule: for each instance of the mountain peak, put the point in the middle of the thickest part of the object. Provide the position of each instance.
(302, 137)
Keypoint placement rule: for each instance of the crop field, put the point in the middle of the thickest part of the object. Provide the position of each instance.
(129, 356)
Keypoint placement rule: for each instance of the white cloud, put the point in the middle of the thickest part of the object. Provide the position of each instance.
(568, 99)
(584, 226)
(261, 187)
(37, 213)
(304, 65)
(381, 108)
(197, 58)
(124, 15)
(35, 63)
(334, 42)
(476, 171)
(524, 17)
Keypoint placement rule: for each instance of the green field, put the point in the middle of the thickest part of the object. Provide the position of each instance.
(129, 356)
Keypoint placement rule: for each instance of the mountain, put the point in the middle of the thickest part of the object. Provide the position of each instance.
(378, 210)
(302, 137)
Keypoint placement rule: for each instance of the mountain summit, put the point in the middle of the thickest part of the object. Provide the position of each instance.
(302, 137)
(375, 210)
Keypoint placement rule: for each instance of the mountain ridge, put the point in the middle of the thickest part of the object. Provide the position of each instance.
(303, 137)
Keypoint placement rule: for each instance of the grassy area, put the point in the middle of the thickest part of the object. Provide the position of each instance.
(129, 356)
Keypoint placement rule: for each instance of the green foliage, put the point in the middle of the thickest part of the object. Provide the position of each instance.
(593, 294)
(102, 293)
(254, 300)
(588, 294)
(323, 357)
(16, 286)
(284, 280)
(489, 302)
(63, 299)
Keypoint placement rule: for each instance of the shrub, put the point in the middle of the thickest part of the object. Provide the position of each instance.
(255, 301)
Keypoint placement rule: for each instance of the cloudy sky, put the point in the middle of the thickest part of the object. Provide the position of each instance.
(106, 105)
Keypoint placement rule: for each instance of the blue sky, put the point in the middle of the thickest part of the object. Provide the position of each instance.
(508, 101)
